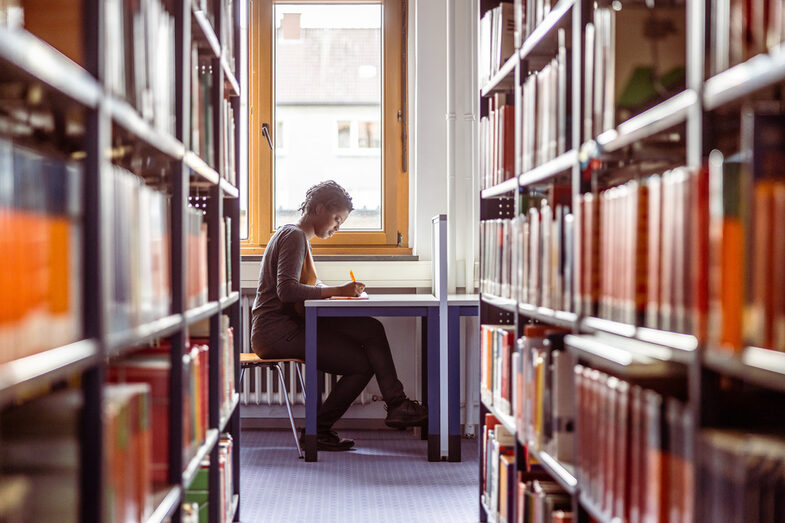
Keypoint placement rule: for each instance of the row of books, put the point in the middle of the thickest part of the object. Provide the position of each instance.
(512, 495)
(139, 40)
(635, 58)
(746, 253)
(496, 40)
(530, 258)
(497, 141)
(196, 258)
(635, 459)
(202, 114)
(195, 506)
(41, 238)
(227, 32)
(546, 116)
(40, 453)
(199, 334)
(152, 366)
(643, 251)
(543, 391)
(499, 471)
(139, 274)
(740, 475)
(528, 15)
(740, 30)
(496, 347)
(543, 501)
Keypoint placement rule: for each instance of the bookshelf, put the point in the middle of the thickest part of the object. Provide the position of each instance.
(117, 122)
(655, 344)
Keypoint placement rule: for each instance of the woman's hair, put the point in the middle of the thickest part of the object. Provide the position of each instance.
(329, 194)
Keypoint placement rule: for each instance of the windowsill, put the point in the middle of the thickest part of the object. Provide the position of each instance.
(346, 257)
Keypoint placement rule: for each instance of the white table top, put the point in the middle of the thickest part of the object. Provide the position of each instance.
(463, 299)
(380, 300)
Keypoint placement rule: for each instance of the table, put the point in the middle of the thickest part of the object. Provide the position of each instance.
(424, 306)
(457, 305)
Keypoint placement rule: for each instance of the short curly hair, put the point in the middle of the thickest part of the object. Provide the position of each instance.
(329, 194)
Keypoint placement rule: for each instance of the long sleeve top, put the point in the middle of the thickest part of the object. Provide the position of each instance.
(279, 287)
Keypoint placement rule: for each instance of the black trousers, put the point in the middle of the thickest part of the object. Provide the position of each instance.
(355, 348)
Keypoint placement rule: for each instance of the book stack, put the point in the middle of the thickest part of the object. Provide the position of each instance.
(140, 275)
(497, 40)
(227, 33)
(546, 116)
(643, 252)
(741, 476)
(496, 266)
(497, 141)
(634, 455)
(202, 131)
(530, 258)
(41, 235)
(139, 58)
(542, 501)
(152, 366)
(226, 482)
(623, 77)
(40, 448)
(544, 245)
(740, 30)
(200, 336)
(546, 407)
(497, 345)
(196, 258)
(499, 473)
(747, 225)
(197, 493)
(127, 452)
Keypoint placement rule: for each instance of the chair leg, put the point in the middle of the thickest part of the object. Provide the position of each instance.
(285, 393)
(300, 377)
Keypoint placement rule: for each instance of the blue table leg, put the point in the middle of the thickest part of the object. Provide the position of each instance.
(311, 385)
(424, 370)
(454, 385)
(434, 431)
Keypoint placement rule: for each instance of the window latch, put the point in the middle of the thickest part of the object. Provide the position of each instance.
(266, 133)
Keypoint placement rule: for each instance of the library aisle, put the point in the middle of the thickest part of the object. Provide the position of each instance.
(385, 479)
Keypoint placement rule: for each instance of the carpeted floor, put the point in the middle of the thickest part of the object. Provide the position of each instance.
(385, 479)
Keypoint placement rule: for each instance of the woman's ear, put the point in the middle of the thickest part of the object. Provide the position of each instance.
(319, 209)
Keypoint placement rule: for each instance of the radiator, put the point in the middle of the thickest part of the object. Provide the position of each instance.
(260, 386)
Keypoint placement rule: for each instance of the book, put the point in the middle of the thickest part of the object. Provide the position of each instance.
(362, 296)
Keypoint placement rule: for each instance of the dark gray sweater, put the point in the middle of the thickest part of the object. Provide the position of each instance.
(279, 285)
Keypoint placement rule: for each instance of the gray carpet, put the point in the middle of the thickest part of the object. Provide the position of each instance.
(385, 479)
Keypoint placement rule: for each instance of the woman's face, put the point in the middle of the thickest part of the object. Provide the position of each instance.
(327, 221)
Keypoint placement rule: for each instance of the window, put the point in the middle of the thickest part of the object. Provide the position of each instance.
(335, 74)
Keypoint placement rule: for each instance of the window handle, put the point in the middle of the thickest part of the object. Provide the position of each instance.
(266, 133)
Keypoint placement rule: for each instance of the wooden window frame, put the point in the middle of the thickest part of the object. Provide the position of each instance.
(394, 236)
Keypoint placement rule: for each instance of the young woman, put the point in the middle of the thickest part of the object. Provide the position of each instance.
(355, 348)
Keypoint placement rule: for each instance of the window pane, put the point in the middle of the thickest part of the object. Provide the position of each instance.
(328, 90)
(344, 135)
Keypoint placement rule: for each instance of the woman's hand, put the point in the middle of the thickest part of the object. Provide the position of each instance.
(352, 289)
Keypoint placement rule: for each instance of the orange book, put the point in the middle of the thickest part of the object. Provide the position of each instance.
(732, 258)
(699, 261)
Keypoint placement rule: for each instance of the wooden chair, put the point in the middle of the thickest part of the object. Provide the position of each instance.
(251, 360)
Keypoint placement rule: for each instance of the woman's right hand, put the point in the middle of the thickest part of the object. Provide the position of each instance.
(351, 289)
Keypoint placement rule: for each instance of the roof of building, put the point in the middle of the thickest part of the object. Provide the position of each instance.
(329, 66)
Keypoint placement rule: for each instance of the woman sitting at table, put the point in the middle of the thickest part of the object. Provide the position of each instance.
(355, 348)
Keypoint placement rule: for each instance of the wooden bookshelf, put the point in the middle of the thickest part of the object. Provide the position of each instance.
(673, 357)
(108, 118)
